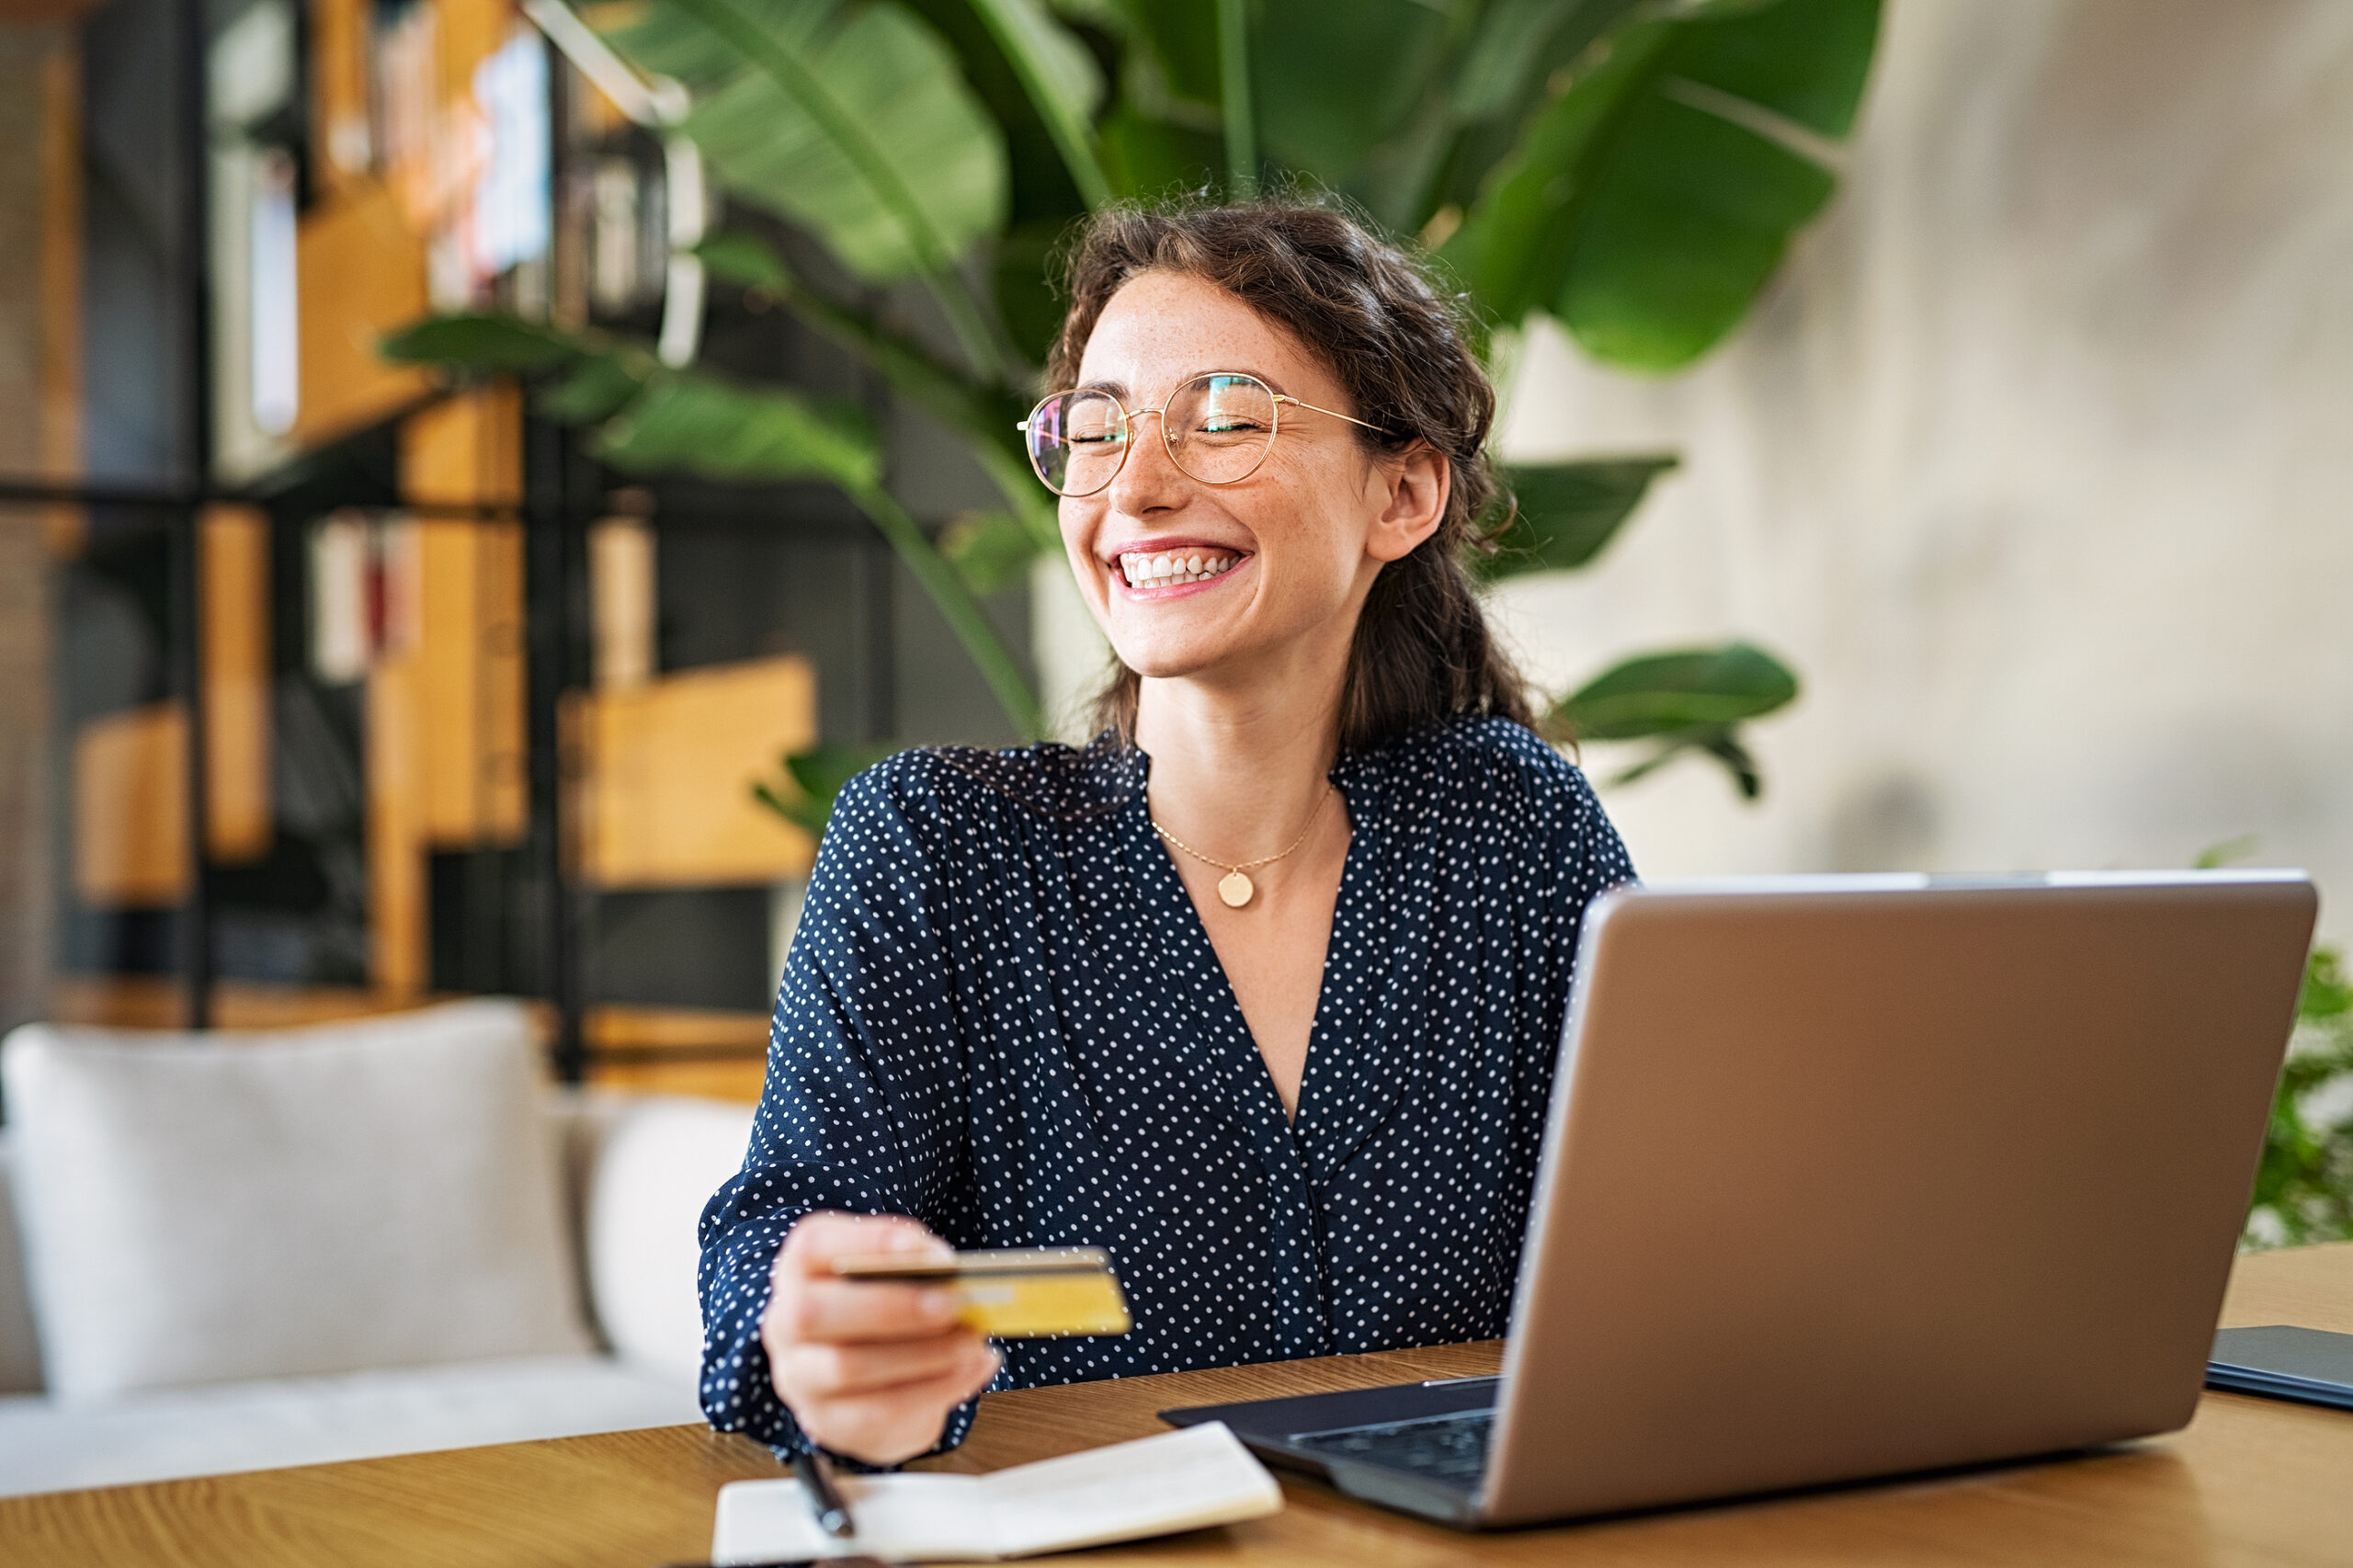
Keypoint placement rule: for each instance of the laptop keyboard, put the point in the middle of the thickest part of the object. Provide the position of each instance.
(1445, 1447)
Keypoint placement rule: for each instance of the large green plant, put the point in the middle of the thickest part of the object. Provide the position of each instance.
(2303, 1189)
(1632, 169)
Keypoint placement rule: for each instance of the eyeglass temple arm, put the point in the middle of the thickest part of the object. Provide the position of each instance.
(1278, 397)
(1286, 397)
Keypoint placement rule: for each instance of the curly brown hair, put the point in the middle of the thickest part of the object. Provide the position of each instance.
(1422, 651)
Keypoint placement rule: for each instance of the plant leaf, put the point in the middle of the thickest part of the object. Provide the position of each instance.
(482, 344)
(1725, 745)
(2304, 1187)
(1565, 513)
(1513, 246)
(1518, 41)
(1148, 159)
(697, 424)
(1335, 77)
(1173, 45)
(1805, 60)
(1026, 298)
(1684, 228)
(857, 126)
(1721, 742)
(1670, 694)
(599, 387)
(991, 550)
(1062, 80)
(2326, 994)
(1648, 204)
(983, 413)
(814, 780)
(734, 257)
(961, 611)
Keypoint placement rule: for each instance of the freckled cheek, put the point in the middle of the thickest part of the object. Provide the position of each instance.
(1309, 557)
(1079, 525)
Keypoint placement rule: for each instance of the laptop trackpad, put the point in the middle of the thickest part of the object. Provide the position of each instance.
(1275, 1420)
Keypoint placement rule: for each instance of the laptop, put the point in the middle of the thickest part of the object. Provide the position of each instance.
(1854, 1177)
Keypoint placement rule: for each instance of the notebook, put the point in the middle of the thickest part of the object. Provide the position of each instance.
(1178, 1481)
(2280, 1362)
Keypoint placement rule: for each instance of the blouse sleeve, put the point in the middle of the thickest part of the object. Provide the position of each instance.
(863, 1109)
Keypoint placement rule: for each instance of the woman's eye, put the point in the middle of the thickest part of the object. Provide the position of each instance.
(1093, 437)
(1228, 424)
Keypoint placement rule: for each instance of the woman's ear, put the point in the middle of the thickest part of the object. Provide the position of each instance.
(1416, 484)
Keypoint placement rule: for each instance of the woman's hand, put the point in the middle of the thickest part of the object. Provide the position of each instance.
(871, 1370)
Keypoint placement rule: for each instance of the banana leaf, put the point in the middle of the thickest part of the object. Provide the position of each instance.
(479, 344)
(1064, 82)
(854, 122)
(1661, 694)
(1336, 78)
(582, 377)
(990, 551)
(700, 425)
(1690, 700)
(1562, 514)
(1647, 205)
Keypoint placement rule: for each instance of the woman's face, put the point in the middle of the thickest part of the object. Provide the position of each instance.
(1286, 555)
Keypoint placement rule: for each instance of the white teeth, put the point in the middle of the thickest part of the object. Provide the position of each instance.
(1169, 568)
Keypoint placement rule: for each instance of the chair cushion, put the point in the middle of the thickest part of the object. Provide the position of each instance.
(19, 1348)
(663, 1158)
(204, 1208)
(260, 1426)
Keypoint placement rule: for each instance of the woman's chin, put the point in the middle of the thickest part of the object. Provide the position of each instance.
(1156, 663)
(1161, 645)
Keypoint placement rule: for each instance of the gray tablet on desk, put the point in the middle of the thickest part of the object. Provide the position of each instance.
(2309, 1365)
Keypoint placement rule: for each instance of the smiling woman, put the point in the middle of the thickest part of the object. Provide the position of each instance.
(1346, 316)
(1261, 992)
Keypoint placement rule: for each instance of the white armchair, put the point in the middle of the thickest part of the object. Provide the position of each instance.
(114, 1164)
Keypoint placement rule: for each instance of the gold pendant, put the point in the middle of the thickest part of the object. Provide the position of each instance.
(1235, 889)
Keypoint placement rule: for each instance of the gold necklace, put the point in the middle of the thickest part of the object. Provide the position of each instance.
(1235, 889)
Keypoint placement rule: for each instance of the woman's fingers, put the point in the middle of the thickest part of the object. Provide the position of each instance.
(852, 1310)
(830, 1371)
(870, 1368)
(811, 1245)
(887, 1425)
(810, 1302)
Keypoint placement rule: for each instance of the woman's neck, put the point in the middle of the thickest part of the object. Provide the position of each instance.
(1238, 769)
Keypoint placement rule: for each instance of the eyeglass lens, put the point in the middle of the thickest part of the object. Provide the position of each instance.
(1218, 429)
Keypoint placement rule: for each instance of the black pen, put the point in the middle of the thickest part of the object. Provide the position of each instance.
(824, 1498)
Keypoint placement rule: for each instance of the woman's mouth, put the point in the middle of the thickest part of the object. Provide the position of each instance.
(1170, 568)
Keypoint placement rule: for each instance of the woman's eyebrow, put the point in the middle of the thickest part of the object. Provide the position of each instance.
(1259, 376)
(1120, 389)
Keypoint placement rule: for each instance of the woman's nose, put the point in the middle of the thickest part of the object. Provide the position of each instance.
(1150, 480)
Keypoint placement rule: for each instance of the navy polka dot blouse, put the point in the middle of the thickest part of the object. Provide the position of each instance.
(1001, 1014)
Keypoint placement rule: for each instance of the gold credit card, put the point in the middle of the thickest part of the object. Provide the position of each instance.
(1014, 1292)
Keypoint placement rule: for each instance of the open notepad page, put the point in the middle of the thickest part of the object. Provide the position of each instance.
(1178, 1481)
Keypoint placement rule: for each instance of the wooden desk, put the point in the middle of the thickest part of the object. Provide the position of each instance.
(2250, 1482)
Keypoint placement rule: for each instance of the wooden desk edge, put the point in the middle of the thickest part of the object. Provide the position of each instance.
(637, 1498)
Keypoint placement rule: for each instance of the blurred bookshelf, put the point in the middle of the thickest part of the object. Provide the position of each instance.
(458, 712)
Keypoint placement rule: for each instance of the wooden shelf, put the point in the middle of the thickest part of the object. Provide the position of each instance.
(663, 775)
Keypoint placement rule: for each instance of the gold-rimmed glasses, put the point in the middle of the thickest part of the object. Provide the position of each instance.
(1218, 428)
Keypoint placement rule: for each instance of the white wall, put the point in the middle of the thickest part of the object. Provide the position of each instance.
(2038, 463)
